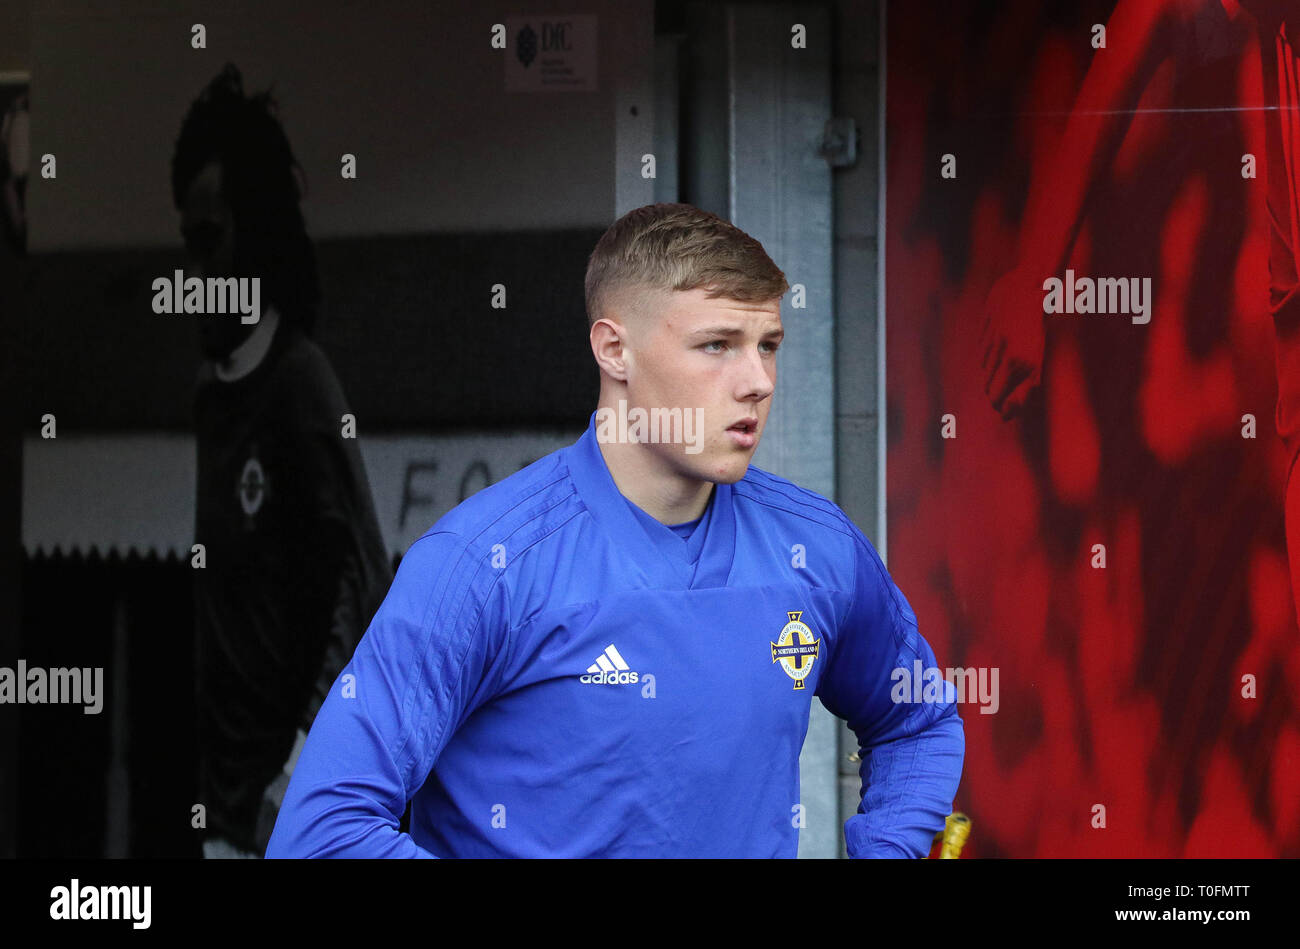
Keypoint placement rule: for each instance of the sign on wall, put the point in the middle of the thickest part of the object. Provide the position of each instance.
(134, 493)
(551, 53)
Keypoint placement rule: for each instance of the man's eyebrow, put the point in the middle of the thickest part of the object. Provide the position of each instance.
(736, 331)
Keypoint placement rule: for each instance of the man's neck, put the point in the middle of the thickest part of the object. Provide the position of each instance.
(640, 476)
(249, 354)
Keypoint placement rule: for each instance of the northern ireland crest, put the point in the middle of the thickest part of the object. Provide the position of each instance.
(796, 648)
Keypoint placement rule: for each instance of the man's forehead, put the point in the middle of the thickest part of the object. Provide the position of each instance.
(695, 307)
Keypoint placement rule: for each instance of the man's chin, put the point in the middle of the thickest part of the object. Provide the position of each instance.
(216, 353)
(728, 471)
(217, 343)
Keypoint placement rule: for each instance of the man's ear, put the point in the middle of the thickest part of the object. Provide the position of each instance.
(609, 347)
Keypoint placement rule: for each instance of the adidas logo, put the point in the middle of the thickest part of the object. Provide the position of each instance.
(609, 669)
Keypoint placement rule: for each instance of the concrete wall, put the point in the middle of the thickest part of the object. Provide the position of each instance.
(414, 90)
(858, 410)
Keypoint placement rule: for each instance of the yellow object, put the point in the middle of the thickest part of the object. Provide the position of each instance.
(955, 831)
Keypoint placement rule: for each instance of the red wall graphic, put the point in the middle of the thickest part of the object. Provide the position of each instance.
(1166, 157)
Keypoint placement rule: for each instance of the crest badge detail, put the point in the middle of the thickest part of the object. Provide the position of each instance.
(252, 486)
(796, 649)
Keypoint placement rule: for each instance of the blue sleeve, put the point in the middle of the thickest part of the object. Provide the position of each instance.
(912, 752)
(429, 658)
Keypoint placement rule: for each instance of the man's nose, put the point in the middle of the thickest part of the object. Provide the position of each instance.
(756, 379)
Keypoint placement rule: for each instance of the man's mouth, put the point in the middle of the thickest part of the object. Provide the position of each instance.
(744, 433)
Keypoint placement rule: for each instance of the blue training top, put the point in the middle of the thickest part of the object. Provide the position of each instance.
(552, 675)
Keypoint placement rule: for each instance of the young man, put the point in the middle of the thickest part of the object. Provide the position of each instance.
(294, 561)
(612, 653)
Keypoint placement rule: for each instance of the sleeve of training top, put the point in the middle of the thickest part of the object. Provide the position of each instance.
(912, 752)
(334, 583)
(432, 654)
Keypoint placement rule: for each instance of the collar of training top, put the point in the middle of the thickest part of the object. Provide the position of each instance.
(660, 556)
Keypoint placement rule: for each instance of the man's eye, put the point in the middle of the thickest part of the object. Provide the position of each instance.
(715, 342)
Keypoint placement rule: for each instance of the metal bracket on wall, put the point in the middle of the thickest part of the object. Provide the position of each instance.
(839, 144)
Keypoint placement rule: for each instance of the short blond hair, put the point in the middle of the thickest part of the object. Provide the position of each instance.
(673, 247)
